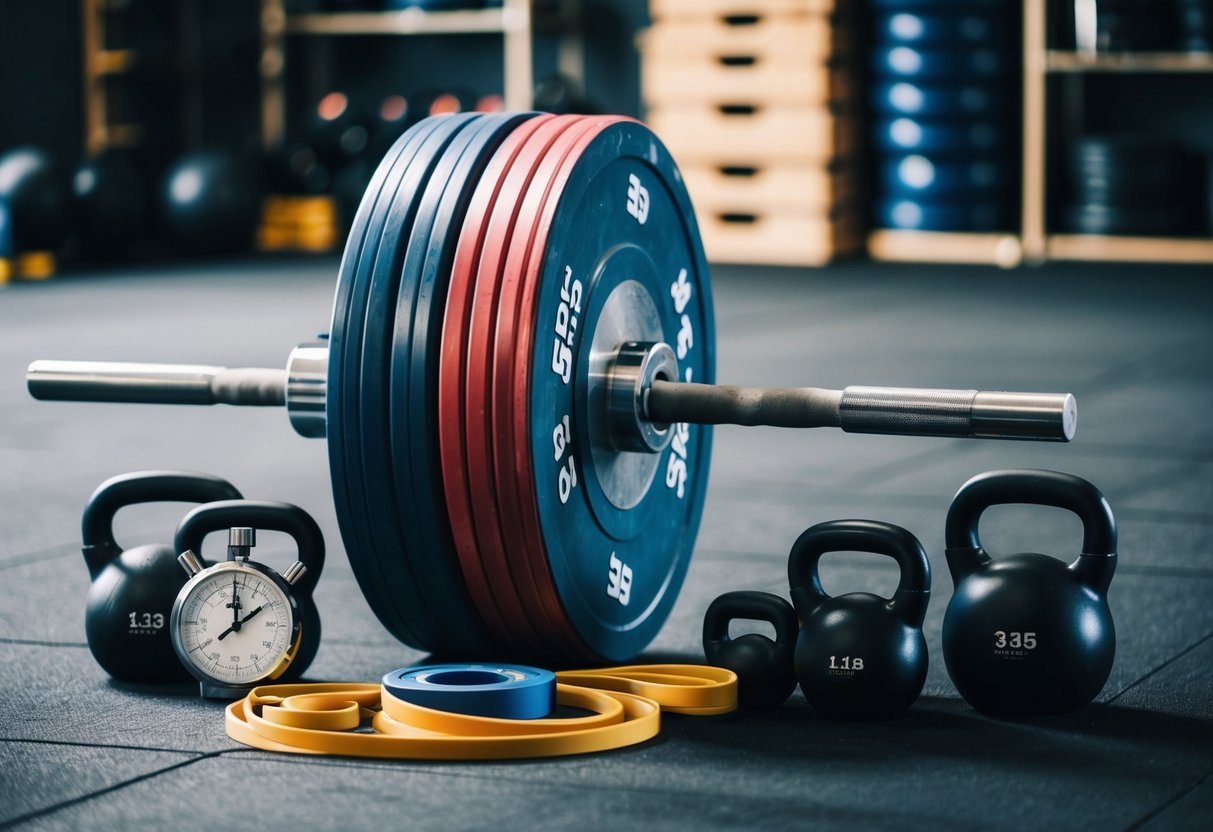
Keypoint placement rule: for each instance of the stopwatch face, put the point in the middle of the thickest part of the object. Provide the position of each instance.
(235, 626)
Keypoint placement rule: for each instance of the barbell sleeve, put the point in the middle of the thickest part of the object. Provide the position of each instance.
(889, 410)
(111, 381)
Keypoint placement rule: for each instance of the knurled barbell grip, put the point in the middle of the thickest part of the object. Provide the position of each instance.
(888, 410)
(101, 381)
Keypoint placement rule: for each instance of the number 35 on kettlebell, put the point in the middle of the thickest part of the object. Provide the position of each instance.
(860, 656)
(1028, 634)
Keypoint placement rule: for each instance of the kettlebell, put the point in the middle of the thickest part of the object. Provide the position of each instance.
(763, 667)
(132, 592)
(268, 516)
(860, 656)
(1027, 634)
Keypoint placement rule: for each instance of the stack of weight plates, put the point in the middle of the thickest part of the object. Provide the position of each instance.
(1195, 29)
(1134, 25)
(494, 265)
(945, 126)
(1128, 185)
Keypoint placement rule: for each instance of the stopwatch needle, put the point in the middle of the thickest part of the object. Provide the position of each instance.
(235, 628)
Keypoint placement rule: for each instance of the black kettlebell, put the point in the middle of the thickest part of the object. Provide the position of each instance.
(267, 515)
(763, 667)
(860, 656)
(132, 592)
(1028, 634)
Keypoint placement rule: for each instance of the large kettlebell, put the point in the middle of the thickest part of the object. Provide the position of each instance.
(268, 516)
(1028, 634)
(763, 667)
(860, 656)
(132, 592)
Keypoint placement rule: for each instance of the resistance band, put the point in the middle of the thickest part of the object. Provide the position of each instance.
(625, 705)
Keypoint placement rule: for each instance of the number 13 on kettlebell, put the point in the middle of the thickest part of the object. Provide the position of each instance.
(860, 656)
(1028, 634)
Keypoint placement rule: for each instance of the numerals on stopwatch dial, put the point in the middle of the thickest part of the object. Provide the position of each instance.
(235, 626)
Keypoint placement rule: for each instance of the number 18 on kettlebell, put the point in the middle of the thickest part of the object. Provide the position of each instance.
(1027, 634)
(860, 656)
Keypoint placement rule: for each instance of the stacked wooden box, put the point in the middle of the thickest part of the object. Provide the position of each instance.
(755, 99)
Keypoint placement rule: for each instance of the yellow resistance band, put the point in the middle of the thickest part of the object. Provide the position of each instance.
(625, 705)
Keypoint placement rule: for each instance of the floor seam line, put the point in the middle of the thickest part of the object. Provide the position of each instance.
(1146, 818)
(50, 810)
(1161, 667)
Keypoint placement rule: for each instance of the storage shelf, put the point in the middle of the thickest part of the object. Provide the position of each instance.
(512, 21)
(897, 245)
(408, 22)
(1057, 60)
(1129, 249)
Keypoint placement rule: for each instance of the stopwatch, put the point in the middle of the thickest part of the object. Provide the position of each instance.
(236, 624)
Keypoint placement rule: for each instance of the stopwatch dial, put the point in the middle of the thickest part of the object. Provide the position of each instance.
(235, 626)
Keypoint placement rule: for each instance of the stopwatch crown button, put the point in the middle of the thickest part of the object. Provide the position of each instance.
(189, 562)
(294, 572)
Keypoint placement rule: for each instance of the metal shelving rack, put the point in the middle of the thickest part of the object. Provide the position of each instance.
(513, 20)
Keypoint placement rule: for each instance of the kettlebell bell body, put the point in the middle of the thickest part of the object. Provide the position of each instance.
(1028, 634)
(132, 592)
(860, 656)
(765, 678)
(268, 516)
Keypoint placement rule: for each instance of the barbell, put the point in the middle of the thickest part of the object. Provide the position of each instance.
(517, 388)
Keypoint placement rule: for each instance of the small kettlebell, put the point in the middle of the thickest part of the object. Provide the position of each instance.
(268, 516)
(131, 597)
(860, 656)
(763, 667)
(1027, 634)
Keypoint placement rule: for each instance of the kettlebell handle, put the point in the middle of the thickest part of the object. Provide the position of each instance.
(97, 525)
(750, 604)
(266, 515)
(913, 587)
(1032, 487)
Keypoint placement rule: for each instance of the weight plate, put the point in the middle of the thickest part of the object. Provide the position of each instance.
(941, 64)
(345, 351)
(945, 100)
(973, 215)
(365, 403)
(453, 364)
(943, 5)
(413, 393)
(1144, 221)
(621, 231)
(509, 570)
(961, 27)
(942, 136)
(511, 465)
(930, 178)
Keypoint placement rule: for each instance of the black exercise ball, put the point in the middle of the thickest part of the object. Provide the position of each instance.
(36, 199)
(209, 203)
(110, 205)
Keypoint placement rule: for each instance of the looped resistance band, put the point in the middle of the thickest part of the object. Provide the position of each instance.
(625, 705)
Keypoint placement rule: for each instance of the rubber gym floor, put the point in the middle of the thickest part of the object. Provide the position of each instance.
(1134, 344)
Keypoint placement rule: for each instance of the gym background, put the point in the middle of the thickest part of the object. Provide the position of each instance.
(802, 105)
